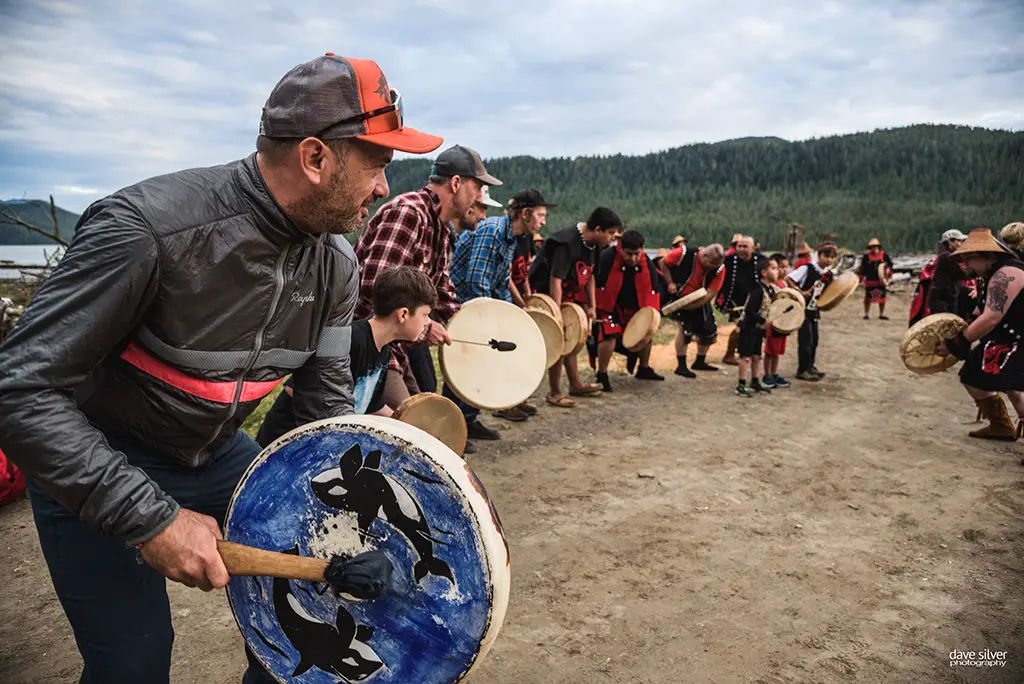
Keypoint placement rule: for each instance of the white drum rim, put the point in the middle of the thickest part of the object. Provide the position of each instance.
(527, 330)
(492, 536)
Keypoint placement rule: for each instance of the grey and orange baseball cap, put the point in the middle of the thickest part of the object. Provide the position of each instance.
(334, 98)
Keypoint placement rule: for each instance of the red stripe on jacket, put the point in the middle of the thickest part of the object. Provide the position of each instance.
(221, 392)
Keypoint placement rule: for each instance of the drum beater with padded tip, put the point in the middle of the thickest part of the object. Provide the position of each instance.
(500, 345)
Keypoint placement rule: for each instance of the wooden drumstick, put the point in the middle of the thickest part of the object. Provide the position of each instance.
(248, 561)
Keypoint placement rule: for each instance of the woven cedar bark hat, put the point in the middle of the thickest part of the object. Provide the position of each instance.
(980, 241)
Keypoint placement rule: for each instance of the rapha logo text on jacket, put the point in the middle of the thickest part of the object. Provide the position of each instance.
(302, 299)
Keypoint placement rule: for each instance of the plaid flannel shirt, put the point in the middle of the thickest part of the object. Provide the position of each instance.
(406, 231)
(482, 264)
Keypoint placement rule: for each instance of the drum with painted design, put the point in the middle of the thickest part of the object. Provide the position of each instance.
(347, 485)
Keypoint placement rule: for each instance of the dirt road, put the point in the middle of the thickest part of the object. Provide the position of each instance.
(846, 531)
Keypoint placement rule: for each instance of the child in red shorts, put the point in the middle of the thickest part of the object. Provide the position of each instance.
(774, 343)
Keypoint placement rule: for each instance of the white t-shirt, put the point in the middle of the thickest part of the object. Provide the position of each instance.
(803, 275)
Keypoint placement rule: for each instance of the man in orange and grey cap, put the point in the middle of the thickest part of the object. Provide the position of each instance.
(182, 302)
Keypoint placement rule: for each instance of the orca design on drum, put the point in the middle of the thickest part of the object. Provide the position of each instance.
(342, 648)
(358, 485)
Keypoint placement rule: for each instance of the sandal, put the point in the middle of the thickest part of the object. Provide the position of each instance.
(560, 400)
(587, 389)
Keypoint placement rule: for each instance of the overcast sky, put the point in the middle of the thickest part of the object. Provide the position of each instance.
(95, 95)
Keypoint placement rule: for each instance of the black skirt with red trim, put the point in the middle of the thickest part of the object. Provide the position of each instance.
(995, 365)
(874, 292)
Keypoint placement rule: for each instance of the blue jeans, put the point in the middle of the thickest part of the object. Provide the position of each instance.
(117, 606)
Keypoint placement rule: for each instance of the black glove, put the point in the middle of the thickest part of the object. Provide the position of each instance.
(958, 346)
(364, 576)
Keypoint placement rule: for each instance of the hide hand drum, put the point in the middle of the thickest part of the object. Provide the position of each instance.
(841, 287)
(917, 348)
(484, 377)
(687, 301)
(343, 486)
(641, 328)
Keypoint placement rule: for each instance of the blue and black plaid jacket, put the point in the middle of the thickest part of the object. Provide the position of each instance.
(482, 263)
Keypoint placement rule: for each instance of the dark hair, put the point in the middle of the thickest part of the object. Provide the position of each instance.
(779, 257)
(603, 219)
(274, 150)
(762, 261)
(402, 286)
(828, 250)
(631, 239)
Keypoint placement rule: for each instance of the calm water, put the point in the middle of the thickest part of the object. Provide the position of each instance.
(23, 254)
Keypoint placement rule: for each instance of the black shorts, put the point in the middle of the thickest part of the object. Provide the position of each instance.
(995, 366)
(751, 340)
(699, 323)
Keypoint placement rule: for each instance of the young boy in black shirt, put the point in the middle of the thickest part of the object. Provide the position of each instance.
(752, 326)
(402, 300)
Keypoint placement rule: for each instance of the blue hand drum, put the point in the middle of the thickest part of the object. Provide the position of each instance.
(347, 485)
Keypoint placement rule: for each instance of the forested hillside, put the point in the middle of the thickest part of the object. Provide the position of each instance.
(905, 186)
(36, 212)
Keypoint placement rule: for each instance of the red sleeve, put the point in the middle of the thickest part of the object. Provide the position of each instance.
(674, 257)
(716, 284)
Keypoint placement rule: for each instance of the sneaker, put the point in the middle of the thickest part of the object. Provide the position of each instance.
(759, 388)
(780, 382)
(704, 366)
(768, 381)
(685, 372)
(883, 318)
(817, 372)
(866, 317)
(528, 409)
(647, 373)
(470, 449)
(808, 376)
(478, 430)
(606, 384)
(744, 391)
(513, 414)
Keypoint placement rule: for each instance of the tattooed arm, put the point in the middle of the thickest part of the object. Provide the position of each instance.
(1003, 289)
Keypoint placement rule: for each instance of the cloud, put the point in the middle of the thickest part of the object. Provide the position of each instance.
(100, 97)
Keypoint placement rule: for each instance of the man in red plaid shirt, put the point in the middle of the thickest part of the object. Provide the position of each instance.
(413, 229)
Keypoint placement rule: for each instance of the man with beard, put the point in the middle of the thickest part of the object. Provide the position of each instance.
(484, 263)
(686, 272)
(182, 301)
(997, 363)
(739, 278)
(413, 229)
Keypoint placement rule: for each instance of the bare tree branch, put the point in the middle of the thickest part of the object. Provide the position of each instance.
(53, 217)
(10, 216)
